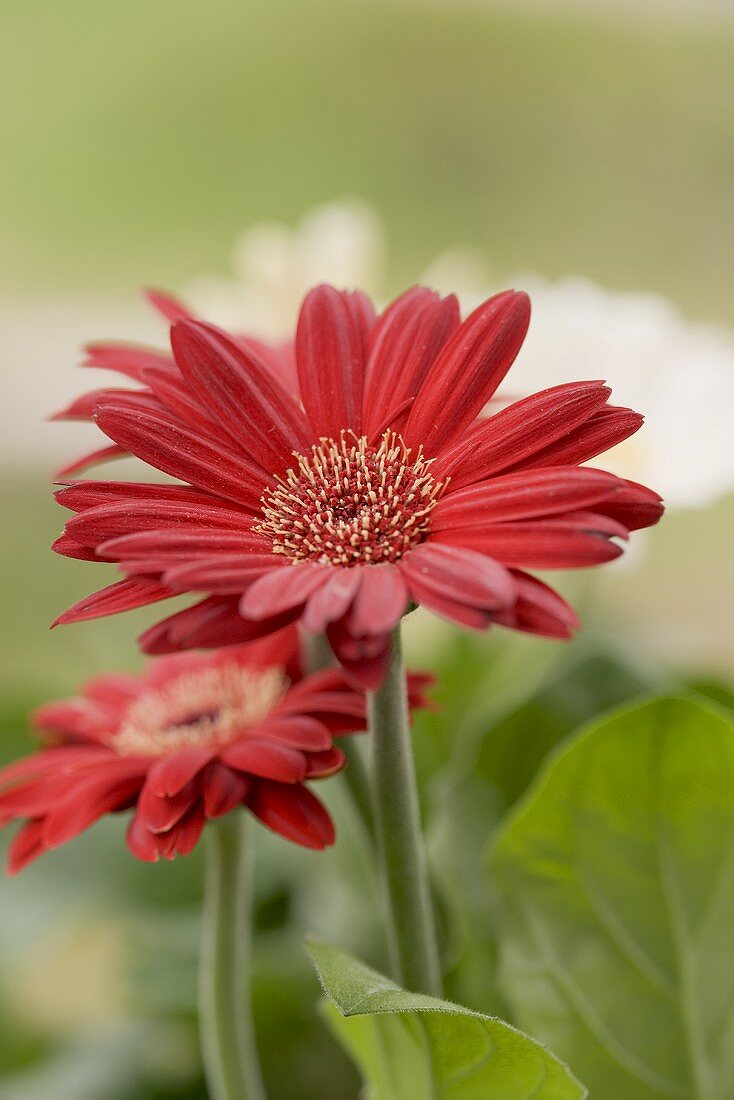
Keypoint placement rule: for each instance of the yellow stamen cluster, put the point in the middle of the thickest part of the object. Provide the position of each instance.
(350, 502)
(207, 706)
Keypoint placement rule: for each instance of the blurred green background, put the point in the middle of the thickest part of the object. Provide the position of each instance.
(138, 141)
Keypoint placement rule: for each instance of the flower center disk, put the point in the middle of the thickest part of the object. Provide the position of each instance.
(350, 502)
(209, 706)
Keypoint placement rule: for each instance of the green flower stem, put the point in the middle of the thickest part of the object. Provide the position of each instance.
(399, 840)
(225, 1014)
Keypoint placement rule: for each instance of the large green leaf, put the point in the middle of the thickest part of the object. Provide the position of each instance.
(412, 1047)
(616, 879)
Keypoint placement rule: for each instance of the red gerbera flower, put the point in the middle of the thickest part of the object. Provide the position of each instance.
(375, 484)
(191, 739)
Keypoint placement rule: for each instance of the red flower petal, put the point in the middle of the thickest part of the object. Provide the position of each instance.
(522, 429)
(322, 764)
(160, 814)
(222, 790)
(171, 774)
(26, 845)
(116, 598)
(331, 342)
(364, 659)
(331, 600)
(407, 338)
(124, 358)
(241, 393)
(547, 544)
(93, 458)
(266, 759)
(168, 306)
(381, 600)
(539, 610)
(282, 589)
(90, 799)
(468, 370)
(168, 444)
(300, 731)
(293, 812)
(605, 429)
(456, 574)
(524, 495)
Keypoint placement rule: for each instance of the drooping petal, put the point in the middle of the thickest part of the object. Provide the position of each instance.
(26, 845)
(381, 599)
(454, 573)
(222, 790)
(364, 658)
(468, 371)
(331, 351)
(294, 812)
(539, 609)
(282, 589)
(300, 731)
(331, 600)
(113, 600)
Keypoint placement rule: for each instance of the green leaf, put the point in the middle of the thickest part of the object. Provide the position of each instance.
(412, 1047)
(616, 879)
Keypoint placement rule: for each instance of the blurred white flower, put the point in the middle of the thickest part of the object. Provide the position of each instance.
(274, 266)
(679, 373)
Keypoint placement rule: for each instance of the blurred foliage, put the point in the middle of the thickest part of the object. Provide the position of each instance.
(617, 885)
(144, 141)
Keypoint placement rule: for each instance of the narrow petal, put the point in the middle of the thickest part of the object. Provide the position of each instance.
(608, 427)
(92, 458)
(521, 430)
(549, 544)
(116, 598)
(26, 845)
(168, 444)
(293, 812)
(407, 338)
(78, 496)
(223, 574)
(110, 521)
(124, 358)
(159, 813)
(169, 307)
(468, 370)
(635, 506)
(240, 392)
(524, 495)
(331, 348)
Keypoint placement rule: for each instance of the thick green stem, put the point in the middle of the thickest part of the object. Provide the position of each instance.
(399, 839)
(225, 1015)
